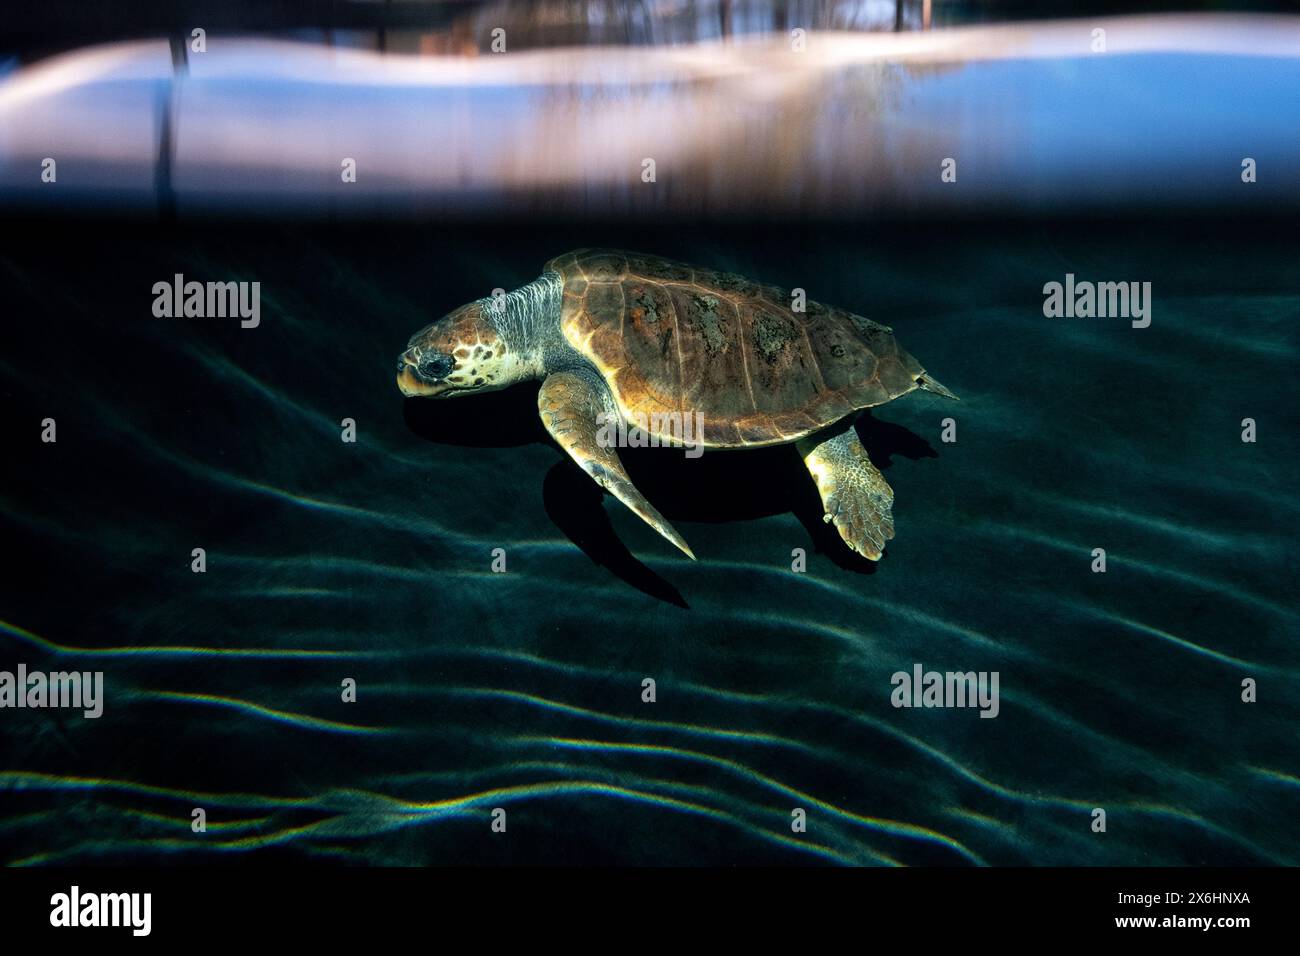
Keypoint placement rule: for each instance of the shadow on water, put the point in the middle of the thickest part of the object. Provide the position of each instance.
(508, 419)
(574, 502)
(884, 440)
(504, 419)
(714, 488)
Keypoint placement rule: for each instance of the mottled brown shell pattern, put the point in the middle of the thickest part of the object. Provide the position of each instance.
(670, 338)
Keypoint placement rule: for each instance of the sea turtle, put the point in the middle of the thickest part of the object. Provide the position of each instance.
(688, 356)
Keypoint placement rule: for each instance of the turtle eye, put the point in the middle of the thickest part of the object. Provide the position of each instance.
(436, 366)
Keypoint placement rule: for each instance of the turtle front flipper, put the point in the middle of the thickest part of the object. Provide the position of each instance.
(571, 405)
(854, 492)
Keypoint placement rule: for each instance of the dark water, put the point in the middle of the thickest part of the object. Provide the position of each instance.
(522, 690)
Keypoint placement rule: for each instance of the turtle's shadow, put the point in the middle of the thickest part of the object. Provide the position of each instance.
(884, 440)
(504, 419)
(726, 486)
(575, 503)
(718, 487)
(509, 419)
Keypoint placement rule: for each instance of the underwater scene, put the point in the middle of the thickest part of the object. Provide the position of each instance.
(984, 535)
(373, 560)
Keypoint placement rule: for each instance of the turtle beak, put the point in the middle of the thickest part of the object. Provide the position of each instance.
(411, 383)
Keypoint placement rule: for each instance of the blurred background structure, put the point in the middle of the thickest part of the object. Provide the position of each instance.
(830, 109)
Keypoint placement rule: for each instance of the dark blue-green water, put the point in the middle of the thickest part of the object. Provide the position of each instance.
(522, 690)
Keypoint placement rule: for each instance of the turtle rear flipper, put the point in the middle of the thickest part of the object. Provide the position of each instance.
(570, 405)
(854, 493)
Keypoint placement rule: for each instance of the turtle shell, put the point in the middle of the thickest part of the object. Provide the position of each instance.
(672, 339)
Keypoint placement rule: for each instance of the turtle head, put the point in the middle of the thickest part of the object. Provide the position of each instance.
(485, 345)
(460, 353)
